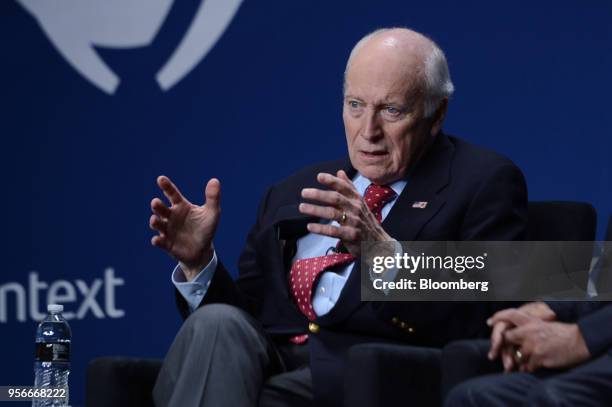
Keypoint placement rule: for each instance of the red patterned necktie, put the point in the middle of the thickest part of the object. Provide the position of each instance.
(304, 272)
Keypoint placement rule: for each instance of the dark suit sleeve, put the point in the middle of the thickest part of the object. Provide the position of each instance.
(593, 318)
(247, 290)
(595, 329)
(571, 311)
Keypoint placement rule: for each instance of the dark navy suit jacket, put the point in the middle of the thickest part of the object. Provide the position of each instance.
(472, 194)
(593, 319)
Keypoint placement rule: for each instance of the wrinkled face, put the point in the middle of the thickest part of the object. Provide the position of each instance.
(383, 115)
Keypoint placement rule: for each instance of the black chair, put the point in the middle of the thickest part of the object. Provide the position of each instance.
(561, 221)
(564, 266)
(120, 381)
(603, 269)
(402, 368)
(471, 355)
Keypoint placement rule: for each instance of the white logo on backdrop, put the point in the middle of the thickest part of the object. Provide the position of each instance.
(79, 297)
(75, 27)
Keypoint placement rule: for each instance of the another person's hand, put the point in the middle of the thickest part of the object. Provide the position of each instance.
(543, 344)
(500, 323)
(186, 231)
(360, 224)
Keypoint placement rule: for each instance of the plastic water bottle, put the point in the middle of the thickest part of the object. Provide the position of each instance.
(52, 358)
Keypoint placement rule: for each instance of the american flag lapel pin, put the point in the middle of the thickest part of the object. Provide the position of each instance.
(420, 204)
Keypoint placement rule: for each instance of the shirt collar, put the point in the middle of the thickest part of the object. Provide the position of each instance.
(361, 183)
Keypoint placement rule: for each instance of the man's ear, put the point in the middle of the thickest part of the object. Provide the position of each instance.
(438, 117)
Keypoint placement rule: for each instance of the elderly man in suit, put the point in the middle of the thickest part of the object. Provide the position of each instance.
(279, 333)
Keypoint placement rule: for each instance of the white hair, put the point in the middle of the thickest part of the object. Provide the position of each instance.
(437, 83)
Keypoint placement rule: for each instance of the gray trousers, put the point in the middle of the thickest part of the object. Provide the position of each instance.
(222, 357)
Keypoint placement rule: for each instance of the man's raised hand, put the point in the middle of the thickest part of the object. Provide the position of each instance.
(185, 230)
(342, 198)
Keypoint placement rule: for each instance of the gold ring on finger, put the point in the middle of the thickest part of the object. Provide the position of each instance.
(518, 354)
(343, 218)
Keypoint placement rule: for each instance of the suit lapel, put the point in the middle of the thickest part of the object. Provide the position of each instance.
(407, 218)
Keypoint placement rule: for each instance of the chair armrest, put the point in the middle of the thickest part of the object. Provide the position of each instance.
(465, 359)
(121, 381)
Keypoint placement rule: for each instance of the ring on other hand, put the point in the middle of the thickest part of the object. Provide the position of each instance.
(343, 218)
(518, 354)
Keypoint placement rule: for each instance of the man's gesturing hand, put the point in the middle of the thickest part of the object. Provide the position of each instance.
(359, 224)
(186, 231)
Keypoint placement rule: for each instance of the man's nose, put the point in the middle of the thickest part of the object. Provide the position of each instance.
(372, 129)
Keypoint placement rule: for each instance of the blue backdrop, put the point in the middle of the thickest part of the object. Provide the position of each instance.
(80, 157)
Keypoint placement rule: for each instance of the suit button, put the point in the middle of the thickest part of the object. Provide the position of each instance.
(394, 320)
(410, 330)
(402, 325)
(313, 328)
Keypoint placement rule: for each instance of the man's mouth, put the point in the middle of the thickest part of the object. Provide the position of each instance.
(373, 154)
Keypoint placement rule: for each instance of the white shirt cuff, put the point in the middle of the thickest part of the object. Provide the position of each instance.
(194, 291)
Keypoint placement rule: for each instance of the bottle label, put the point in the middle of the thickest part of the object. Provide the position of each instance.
(52, 352)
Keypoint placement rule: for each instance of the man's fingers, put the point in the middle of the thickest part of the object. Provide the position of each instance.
(158, 208)
(321, 229)
(512, 315)
(326, 212)
(170, 190)
(332, 198)
(160, 241)
(342, 175)
(344, 233)
(337, 183)
(497, 339)
(158, 224)
(539, 309)
(516, 335)
(212, 194)
(528, 363)
(532, 364)
(507, 358)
